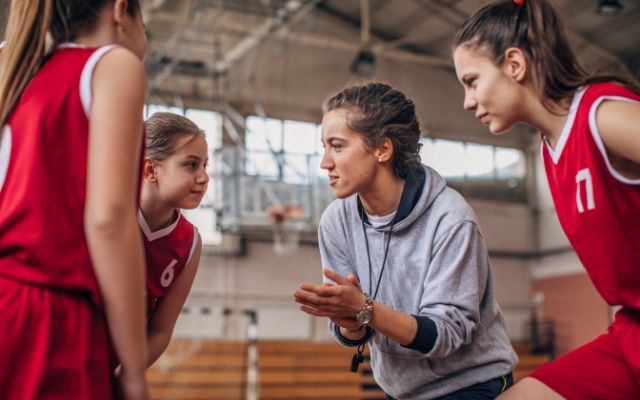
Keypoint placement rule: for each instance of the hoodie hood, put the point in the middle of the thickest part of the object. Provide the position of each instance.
(422, 186)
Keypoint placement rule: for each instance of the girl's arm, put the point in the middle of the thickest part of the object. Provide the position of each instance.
(113, 237)
(165, 316)
(619, 126)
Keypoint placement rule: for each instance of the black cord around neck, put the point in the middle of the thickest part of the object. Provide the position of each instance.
(358, 357)
(384, 260)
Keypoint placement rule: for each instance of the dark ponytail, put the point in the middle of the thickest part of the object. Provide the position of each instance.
(536, 27)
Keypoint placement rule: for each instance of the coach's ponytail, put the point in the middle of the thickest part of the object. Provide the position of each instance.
(25, 45)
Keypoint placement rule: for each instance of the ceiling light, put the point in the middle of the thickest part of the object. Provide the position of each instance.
(609, 8)
(363, 63)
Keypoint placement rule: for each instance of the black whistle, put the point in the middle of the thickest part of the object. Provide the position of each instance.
(357, 359)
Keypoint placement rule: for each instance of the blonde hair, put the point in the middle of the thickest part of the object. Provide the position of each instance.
(33, 23)
(24, 49)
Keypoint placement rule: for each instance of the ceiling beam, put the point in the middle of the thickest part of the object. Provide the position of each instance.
(292, 11)
(312, 40)
(406, 53)
(188, 13)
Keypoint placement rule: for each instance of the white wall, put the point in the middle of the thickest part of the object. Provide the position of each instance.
(506, 227)
(512, 286)
(260, 281)
(556, 265)
(551, 235)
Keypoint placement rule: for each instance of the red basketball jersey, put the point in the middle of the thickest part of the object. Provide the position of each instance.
(43, 163)
(168, 251)
(598, 208)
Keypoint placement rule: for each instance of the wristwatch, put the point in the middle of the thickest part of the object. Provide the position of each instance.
(364, 316)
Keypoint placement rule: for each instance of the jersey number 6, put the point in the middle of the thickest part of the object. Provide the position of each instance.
(167, 275)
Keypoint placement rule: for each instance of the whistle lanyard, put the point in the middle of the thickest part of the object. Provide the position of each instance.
(384, 260)
(358, 358)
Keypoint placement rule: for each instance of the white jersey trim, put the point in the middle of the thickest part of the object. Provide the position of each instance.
(193, 245)
(87, 73)
(151, 236)
(71, 45)
(5, 153)
(593, 126)
(566, 130)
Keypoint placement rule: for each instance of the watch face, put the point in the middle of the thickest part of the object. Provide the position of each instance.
(364, 316)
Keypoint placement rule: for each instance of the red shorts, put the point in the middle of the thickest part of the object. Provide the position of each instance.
(606, 368)
(53, 345)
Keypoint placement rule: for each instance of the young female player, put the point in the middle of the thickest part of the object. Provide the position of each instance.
(516, 66)
(174, 178)
(72, 89)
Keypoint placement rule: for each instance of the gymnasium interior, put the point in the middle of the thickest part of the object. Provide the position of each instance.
(253, 75)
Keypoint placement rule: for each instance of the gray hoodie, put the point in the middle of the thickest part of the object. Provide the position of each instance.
(437, 266)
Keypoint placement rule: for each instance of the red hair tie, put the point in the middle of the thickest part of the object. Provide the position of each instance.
(519, 2)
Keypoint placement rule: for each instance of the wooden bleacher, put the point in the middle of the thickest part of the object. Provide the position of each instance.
(307, 370)
(198, 370)
(195, 370)
(204, 369)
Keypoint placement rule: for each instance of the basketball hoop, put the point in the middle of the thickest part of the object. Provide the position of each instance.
(286, 234)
